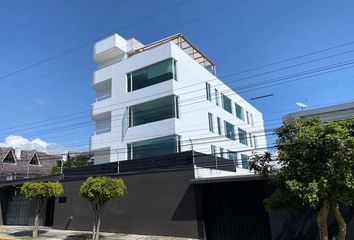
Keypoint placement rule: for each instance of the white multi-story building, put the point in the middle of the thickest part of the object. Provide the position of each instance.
(164, 98)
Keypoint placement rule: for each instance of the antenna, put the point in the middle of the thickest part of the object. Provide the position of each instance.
(302, 105)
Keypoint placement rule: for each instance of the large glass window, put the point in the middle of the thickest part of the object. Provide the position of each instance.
(229, 130)
(219, 125)
(239, 112)
(217, 98)
(155, 110)
(154, 147)
(153, 74)
(208, 91)
(244, 159)
(210, 119)
(226, 103)
(242, 135)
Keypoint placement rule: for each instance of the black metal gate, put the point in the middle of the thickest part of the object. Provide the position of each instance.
(235, 210)
(18, 210)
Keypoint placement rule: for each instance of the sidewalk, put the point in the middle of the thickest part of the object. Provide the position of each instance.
(24, 232)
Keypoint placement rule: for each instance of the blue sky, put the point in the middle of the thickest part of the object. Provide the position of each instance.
(236, 35)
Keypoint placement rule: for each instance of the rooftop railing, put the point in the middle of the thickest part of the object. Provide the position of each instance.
(186, 46)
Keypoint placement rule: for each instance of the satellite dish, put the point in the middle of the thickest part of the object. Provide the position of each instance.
(301, 105)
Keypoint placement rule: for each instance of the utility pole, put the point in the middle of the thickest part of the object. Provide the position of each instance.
(193, 157)
(216, 160)
(117, 161)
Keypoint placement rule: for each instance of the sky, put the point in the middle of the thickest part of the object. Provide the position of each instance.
(46, 104)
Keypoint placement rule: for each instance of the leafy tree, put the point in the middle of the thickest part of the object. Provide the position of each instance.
(80, 160)
(56, 169)
(40, 192)
(98, 191)
(317, 169)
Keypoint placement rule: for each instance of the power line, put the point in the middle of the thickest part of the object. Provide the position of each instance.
(264, 66)
(145, 18)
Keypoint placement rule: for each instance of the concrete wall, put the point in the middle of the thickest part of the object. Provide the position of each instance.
(155, 203)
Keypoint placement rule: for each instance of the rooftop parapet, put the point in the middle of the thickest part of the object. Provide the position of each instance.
(116, 47)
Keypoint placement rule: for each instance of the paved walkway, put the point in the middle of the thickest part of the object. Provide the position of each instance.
(24, 232)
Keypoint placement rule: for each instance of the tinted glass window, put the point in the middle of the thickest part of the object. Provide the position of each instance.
(208, 91)
(239, 112)
(151, 75)
(154, 147)
(229, 130)
(210, 119)
(242, 135)
(244, 159)
(226, 103)
(152, 111)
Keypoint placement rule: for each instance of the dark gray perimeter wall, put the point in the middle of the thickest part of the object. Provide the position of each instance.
(156, 203)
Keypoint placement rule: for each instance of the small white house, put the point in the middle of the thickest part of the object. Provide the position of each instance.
(164, 98)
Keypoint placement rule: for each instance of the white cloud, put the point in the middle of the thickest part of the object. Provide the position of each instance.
(38, 144)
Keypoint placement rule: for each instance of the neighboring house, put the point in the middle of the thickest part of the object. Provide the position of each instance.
(329, 113)
(17, 163)
(163, 98)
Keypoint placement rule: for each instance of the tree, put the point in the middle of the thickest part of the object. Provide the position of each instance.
(98, 191)
(40, 192)
(316, 169)
(81, 160)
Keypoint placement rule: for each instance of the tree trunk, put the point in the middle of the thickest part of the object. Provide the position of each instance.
(39, 204)
(35, 227)
(322, 221)
(342, 226)
(98, 226)
(94, 225)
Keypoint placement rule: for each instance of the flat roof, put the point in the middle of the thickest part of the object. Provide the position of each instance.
(319, 111)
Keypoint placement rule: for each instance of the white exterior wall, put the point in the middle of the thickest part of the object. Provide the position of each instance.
(194, 107)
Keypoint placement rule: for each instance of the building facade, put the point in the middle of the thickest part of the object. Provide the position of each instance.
(165, 98)
(329, 113)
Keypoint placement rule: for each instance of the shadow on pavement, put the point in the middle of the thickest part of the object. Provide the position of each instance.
(80, 237)
(25, 233)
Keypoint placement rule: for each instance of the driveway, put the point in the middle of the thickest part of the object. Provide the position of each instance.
(24, 232)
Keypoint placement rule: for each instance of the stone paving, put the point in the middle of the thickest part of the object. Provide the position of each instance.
(24, 232)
